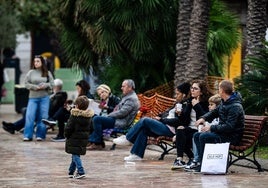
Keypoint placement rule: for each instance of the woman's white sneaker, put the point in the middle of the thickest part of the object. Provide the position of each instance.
(122, 141)
(132, 157)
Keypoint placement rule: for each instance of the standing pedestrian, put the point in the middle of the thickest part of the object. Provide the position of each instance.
(39, 82)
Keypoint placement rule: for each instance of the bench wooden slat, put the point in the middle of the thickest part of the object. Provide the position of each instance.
(254, 127)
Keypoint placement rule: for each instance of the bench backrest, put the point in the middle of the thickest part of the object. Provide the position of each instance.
(252, 132)
(156, 104)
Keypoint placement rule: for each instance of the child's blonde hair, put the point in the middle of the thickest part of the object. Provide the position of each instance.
(215, 99)
(82, 102)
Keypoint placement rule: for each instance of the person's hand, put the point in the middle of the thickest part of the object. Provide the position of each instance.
(205, 128)
(103, 105)
(157, 118)
(41, 86)
(69, 107)
(200, 121)
(178, 112)
(195, 101)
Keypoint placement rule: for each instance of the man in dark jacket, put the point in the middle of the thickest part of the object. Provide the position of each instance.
(231, 121)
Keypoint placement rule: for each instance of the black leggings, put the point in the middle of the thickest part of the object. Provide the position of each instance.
(184, 141)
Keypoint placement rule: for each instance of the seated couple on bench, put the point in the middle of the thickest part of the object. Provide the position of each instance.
(194, 112)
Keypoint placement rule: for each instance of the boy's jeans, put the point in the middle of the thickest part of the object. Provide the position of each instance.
(76, 163)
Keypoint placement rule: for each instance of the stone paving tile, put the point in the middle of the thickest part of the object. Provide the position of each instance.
(45, 164)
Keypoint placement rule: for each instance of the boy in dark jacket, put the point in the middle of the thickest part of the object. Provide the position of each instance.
(76, 133)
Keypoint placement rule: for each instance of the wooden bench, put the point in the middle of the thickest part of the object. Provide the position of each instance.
(246, 150)
(254, 131)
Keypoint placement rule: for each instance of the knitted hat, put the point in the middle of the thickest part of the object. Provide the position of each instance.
(58, 82)
(184, 88)
(104, 87)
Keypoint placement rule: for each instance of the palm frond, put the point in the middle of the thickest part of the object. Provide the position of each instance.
(253, 85)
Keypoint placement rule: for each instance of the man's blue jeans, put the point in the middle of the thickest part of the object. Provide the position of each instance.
(138, 134)
(195, 152)
(37, 109)
(201, 138)
(76, 163)
(99, 124)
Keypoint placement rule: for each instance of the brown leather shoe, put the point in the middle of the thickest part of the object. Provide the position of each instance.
(94, 146)
(89, 143)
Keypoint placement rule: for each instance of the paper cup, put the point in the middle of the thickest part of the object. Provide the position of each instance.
(178, 107)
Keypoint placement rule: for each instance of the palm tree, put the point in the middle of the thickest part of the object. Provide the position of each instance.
(125, 34)
(197, 61)
(134, 39)
(224, 36)
(182, 45)
(253, 85)
(256, 27)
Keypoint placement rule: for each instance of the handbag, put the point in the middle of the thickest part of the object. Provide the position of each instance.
(215, 158)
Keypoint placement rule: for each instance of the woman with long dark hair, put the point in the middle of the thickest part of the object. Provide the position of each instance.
(39, 81)
(193, 108)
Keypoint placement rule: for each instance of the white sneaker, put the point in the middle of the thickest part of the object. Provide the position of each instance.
(27, 139)
(122, 141)
(39, 139)
(132, 157)
(48, 122)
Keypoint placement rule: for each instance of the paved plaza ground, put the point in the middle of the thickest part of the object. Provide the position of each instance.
(45, 164)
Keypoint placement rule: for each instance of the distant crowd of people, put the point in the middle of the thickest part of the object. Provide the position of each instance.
(197, 118)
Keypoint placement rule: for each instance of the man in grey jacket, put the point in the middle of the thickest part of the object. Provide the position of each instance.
(122, 116)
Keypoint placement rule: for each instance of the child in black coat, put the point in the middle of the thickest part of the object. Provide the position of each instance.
(76, 133)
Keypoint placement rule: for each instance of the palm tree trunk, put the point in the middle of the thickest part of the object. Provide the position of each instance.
(256, 27)
(183, 37)
(197, 63)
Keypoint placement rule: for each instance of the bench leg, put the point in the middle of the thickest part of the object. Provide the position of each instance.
(162, 156)
(113, 147)
(231, 161)
(164, 147)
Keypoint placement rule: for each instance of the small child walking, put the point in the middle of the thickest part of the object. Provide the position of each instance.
(76, 133)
